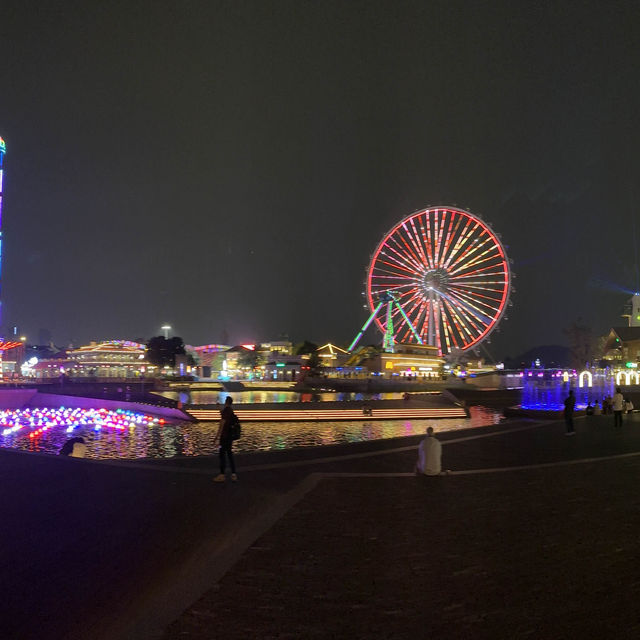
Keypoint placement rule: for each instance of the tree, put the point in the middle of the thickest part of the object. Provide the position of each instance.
(305, 348)
(581, 343)
(248, 359)
(162, 352)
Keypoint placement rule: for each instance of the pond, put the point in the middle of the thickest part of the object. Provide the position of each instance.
(155, 440)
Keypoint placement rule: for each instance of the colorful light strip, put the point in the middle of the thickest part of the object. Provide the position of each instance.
(38, 420)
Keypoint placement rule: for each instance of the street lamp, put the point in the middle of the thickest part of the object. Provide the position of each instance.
(166, 328)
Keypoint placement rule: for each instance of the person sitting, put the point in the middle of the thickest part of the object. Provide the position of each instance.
(74, 448)
(429, 455)
(628, 406)
(597, 411)
(589, 409)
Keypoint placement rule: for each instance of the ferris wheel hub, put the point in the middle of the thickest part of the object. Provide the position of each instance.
(436, 279)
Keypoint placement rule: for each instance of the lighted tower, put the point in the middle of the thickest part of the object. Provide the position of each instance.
(3, 150)
(4, 345)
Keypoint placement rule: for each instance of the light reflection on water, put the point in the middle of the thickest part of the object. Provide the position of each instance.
(259, 397)
(196, 438)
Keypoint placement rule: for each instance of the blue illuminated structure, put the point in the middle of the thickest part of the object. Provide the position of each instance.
(546, 389)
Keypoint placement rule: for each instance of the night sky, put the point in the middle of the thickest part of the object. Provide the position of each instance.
(230, 166)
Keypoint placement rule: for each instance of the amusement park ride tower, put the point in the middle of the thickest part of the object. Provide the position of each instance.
(4, 345)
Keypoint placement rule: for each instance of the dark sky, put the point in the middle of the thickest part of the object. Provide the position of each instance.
(232, 165)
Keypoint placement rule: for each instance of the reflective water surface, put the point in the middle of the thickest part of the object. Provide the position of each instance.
(259, 397)
(193, 439)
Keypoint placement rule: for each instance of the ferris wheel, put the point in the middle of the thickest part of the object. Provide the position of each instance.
(439, 277)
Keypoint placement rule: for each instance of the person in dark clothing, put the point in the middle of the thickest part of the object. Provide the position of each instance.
(74, 448)
(569, 404)
(227, 418)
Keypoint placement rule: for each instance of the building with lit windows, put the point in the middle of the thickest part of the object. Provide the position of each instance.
(284, 347)
(121, 359)
(409, 360)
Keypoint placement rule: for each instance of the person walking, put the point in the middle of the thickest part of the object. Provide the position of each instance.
(569, 405)
(618, 407)
(223, 437)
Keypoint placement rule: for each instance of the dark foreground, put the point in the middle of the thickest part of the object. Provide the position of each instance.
(300, 551)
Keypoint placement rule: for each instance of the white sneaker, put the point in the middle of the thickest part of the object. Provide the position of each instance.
(220, 478)
(234, 477)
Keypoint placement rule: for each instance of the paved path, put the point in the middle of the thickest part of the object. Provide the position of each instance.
(301, 547)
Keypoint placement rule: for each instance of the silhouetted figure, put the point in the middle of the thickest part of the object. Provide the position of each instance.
(589, 409)
(596, 409)
(74, 448)
(224, 437)
(618, 407)
(628, 405)
(569, 405)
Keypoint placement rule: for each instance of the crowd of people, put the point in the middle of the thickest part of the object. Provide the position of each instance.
(616, 405)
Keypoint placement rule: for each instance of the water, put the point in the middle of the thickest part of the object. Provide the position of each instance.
(259, 397)
(196, 439)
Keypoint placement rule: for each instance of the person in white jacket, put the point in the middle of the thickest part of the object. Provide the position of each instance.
(429, 455)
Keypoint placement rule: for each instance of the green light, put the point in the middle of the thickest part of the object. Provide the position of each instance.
(631, 365)
(3, 146)
(280, 364)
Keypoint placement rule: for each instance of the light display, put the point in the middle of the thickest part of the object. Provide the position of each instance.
(449, 277)
(36, 420)
(630, 377)
(546, 389)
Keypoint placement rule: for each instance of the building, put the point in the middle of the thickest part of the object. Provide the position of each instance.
(209, 359)
(285, 367)
(284, 347)
(622, 345)
(632, 310)
(121, 359)
(409, 360)
(332, 356)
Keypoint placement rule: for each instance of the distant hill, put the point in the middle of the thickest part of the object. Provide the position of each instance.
(550, 356)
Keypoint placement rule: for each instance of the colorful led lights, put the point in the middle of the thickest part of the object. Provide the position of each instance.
(38, 420)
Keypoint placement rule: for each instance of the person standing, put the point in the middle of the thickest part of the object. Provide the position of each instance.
(223, 437)
(569, 405)
(618, 407)
(429, 455)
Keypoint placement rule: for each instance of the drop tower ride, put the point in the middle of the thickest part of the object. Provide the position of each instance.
(3, 150)
(5, 345)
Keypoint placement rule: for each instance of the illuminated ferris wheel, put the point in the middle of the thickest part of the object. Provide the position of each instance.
(439, 277)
